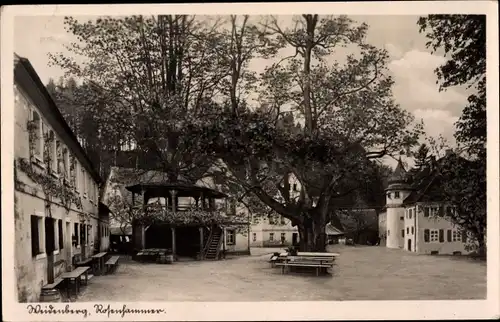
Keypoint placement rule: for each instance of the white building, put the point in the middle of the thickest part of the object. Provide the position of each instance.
(58, 216)
(414, 218)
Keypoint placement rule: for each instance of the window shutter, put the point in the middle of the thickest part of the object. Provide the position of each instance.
(61, 238)
(426, 211)
(34, 236)
(402, 233)
(426, 235)
(464, 236)
(49, 235)
(448, 233)
(441, 211)
(441, 235)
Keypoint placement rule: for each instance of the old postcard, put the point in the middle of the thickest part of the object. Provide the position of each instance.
(258, 161)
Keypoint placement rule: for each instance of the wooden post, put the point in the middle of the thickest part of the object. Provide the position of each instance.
(173, 242)
(202, 255)
(173, 194)
(202, 199)
(197, 199)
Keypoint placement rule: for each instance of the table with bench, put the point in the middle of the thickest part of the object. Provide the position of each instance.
(99, 261)
(112, 264)
(76, 276)
(319, 261)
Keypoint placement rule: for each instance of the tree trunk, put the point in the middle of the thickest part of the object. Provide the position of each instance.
(312, 234)
(481, 250)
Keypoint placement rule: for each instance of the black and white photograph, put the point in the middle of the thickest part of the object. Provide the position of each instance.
(173, 165)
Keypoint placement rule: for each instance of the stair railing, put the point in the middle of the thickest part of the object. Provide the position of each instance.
(209, 240)
(221, 240)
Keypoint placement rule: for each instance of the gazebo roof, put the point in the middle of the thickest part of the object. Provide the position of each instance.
(183, 190)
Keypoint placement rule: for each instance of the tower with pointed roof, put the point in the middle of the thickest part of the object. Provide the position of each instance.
(398, 188)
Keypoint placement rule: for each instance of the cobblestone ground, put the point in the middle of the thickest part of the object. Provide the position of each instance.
(362, 273)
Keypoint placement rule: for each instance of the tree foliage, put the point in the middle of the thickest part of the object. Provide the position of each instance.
(463, 38)
(181, 89)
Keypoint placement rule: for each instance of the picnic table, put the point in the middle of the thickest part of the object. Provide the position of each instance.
(99, 258)
(319, 261)
(112, 263)
(75, 277)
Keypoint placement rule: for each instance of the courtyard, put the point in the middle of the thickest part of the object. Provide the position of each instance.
(361, 273)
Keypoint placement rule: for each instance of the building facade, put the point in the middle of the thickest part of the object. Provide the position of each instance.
(415, 217)
(57, 220)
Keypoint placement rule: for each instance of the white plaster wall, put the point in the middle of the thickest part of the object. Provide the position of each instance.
(436, 223)
(31, 272)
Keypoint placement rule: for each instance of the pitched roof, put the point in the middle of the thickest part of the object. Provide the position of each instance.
(427, 183)
(399, 174)
(332, 230)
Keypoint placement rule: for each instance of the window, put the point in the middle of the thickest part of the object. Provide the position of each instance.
(441, 212)
(431, 235)
(426, 211)
(52, 151)
(450, 211)
(84, 183)
(282, 220)
(65, 156)
(388, 233)
(464, 236)
(271, 236)
(294, 187)
(36, 234)
(402, 218)
(402, 232)
(410, 213)
(283, 237)
(36, 135)
(396, 194)
(272, 220)
(60, 164)
(448, 235)
(389, 195)
(456, 236)
(230, 238)
(407, 230)
(441, 235)
(90, 236)
(76, 239)
(254, 237)
(72, 169)
(412, 230)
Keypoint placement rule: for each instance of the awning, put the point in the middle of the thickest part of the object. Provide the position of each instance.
(330, 230)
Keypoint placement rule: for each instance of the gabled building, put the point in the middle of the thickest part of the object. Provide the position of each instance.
(414, 218)
(58, 217)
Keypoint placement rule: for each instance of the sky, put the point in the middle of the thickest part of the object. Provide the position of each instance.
(411, 63)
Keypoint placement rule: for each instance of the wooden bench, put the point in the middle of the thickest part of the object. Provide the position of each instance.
(75, 276)
(112, 263)
(321, 262)
(99, 260)
(53, 285)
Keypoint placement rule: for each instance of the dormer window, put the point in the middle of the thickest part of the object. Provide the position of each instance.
(389, 195)
(396, 194)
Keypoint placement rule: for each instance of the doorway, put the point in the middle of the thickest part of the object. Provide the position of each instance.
(409, 245)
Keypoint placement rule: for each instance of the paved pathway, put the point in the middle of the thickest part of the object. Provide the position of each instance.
(362, 273)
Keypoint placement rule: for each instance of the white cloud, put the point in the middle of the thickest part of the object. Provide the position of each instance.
(415, 89)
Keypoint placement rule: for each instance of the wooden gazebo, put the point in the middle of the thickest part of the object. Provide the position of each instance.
(172, 225)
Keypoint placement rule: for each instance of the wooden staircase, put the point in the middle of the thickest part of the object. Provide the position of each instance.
(212, 248)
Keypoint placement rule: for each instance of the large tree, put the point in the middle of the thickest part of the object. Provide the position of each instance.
(463, 39)
(348, 114)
